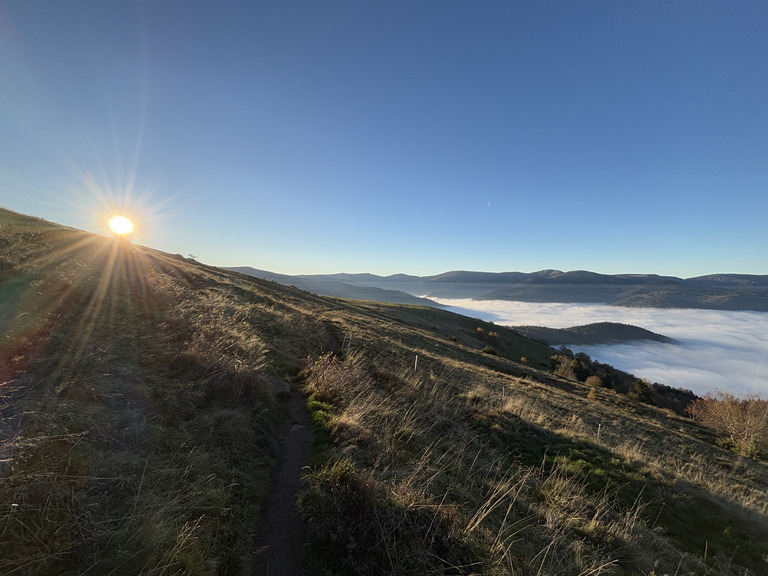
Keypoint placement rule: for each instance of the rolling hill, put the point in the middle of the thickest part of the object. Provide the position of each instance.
(342, 285)
(596, 333)
(716, 291)
(142, 398)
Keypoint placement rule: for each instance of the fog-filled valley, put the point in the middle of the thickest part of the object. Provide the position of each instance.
(713, 348)
(383, 288)
(159, 415)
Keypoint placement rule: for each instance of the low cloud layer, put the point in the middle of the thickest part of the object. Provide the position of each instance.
(716, 349)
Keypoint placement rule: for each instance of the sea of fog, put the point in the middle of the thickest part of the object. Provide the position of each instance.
(714, 349)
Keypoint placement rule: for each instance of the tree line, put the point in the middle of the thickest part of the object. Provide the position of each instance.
(740, 422)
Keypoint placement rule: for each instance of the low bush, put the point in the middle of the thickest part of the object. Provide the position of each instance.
(594, 381)
(741, 421)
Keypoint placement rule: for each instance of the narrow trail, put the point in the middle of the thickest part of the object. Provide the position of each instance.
(280, 539)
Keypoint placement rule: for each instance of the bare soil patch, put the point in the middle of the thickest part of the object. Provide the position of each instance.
(280, 538)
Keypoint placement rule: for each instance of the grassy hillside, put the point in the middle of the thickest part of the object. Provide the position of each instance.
(138, 428)
(137, 416)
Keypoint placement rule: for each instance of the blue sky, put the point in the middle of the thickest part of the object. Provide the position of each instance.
(398, 136)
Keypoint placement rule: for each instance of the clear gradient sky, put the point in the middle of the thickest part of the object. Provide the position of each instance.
(397, 136)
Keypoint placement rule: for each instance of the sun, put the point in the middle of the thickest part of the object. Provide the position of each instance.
(121, 225)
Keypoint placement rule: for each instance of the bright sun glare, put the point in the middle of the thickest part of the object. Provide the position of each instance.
(120, 225)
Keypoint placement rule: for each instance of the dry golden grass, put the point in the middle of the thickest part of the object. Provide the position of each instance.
(136, 423)
(526, 469)
(137, 434)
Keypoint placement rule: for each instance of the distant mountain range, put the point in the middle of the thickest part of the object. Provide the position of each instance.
(331, 286)
(715, 291)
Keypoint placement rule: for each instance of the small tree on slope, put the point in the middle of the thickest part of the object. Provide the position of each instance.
(741, 421)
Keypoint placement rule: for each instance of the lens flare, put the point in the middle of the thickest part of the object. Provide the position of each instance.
(121, 225)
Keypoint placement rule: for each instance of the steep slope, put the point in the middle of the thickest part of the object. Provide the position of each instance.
(443, 458)
(140, 426)
(138, 422)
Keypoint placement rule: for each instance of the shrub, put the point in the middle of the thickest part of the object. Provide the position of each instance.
(642, 391)
(594, 381)
(741, 421)
(563, 366)
(329, 378)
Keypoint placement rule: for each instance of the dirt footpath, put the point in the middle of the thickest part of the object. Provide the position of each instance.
(280, 538)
